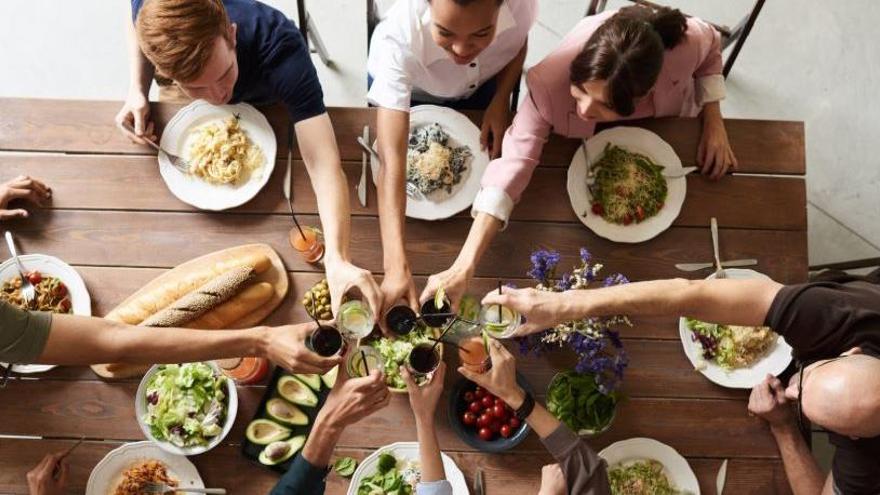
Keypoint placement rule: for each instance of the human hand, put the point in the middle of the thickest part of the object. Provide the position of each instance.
(22, 187)
(397, 285)
(286, 347)
(423, 400)
(353, 399)
(135, 113)
(44, 479)
(553, 481)
(496, 119)
(540, 309)
(500, 380)
(343, 276)
(454, 282)
(714, 155)
(768, 402)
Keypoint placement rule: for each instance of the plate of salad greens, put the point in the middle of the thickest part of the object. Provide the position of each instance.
(396, 350)
(575, 399)
(186, 409)
(622, 194)
(394, 470)
(644, 466)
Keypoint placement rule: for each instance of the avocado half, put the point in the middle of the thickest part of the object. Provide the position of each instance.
(278, 452)
(296, 391)
(329, 378)
(313, 381)
(264, 432)
(284, 412)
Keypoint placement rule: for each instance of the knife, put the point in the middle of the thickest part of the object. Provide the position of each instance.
(362, 184)
(722, 477)
(478, 483)
(693, 267)
(288, 175)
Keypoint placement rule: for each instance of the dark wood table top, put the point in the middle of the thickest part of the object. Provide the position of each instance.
(114, 220)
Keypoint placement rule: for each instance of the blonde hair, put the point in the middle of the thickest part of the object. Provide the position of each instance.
(177, 36)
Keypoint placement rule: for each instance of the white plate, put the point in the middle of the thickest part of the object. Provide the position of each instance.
(81, 303)
(197, 192)
(635, 140)
(407, 450)
(140, 409)
(462, 132)
(774, 362)
(108, 473)
(675, 467)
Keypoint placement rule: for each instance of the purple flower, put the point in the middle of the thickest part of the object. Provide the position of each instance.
(565, 282)
(585, 255)
(616, 279)
(543, 264)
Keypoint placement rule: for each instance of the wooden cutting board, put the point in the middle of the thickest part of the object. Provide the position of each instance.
(276, 275)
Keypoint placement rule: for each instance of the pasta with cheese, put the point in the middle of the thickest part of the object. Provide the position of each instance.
(221, 153)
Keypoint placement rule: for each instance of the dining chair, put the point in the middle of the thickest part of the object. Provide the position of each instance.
(730, 37)
(310, 33)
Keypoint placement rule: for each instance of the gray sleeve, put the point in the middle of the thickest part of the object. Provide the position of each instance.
(23, 334)
(585, 472)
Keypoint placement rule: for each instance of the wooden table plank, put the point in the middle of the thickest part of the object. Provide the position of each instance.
(223, 467)
(121, 239)
(134, 183)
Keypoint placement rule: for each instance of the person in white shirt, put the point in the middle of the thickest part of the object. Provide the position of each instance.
(463, 54)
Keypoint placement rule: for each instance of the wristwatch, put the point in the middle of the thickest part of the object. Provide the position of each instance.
(526, 408)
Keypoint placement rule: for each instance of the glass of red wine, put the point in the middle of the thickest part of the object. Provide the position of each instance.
(423, 359)
(401, 319)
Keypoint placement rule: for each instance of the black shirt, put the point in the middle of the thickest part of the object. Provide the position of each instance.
(821, 320)
(274, 64)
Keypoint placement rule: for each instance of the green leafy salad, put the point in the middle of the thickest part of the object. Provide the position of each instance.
(576, 400)
(640, 478)
(628, 187)
(731, 346)
(390, 478)
(395, 351)
(186, 404)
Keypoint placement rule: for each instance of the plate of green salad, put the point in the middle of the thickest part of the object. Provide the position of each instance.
(394, 470)
(644, 466)
(186, 409)
(623, 193)
(395, 351)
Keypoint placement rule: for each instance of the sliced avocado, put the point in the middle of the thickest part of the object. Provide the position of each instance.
(278, 452)
(284, 412)
(296, 391)
(329, 378)
(264, 432)
(313, 381)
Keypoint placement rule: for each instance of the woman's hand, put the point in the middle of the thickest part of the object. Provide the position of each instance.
(540, 309)
(423, 400)
(500, 380)
(353, 399)
(22, 187)
(714, 155)
(454, 282)
(49, 477)
(397, 285)
(343, 276)
(496, 119)
(286, 347)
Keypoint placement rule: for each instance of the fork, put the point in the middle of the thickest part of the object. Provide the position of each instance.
(176, 161)
(28, 292)
(411, 190)
(719, 270)
(163, 488)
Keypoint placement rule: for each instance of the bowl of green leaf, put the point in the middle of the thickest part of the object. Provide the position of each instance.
(576, 400)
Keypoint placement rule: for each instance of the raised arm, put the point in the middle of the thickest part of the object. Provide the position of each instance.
(497, 116)
(317, 143)
(423, 401)
(136, 110)
(740, 302)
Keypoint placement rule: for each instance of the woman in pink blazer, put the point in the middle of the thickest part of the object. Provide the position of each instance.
(635, 63)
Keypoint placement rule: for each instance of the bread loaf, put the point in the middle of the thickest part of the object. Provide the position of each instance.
(236, 308)
(203, 299)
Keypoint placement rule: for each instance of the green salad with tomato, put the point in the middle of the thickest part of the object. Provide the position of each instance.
(628, 187)
(576, 400)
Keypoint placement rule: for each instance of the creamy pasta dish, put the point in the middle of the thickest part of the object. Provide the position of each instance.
(222, 153)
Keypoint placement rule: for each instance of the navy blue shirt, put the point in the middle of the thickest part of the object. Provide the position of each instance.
(274, 64)
(301, 479)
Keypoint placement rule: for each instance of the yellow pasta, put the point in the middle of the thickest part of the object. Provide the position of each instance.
(221, 153)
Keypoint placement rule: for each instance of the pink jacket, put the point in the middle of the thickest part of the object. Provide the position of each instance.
(691, 76)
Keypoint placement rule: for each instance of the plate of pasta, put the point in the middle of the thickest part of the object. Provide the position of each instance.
(128, 468)
(229, 150)
(60, 289)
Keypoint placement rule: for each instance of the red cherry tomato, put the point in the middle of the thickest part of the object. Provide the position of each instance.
(597, 209)
(506, 431)
(479, 393)
(475, 407)
(485, 434)
(495, 426)
(483, 420)
(514, 422)
(487, 401)
(60, 290)
(499, 401)
(34, 277)
(469, 418)
(468, 397)
(65, 305)
(499, 411)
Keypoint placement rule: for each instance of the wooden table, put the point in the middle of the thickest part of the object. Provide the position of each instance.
(115, 221)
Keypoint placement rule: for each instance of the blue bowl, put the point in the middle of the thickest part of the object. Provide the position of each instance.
(457, 407)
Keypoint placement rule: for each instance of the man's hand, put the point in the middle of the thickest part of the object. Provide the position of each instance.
(553, 481)
(286, 347)
(714, 155)
(42, 479)
(342, 276)
(500, 380)
(423, 400)
(540, 309)
(454, 281)
(22, 187)
(353, 399)
(397, 285)
(136, 113)
(768, 402)
(496, 119)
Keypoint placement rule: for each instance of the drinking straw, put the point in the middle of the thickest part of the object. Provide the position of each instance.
(448, 342)
(442, 334)
(295, 221)
(500, 318)
(364, 360)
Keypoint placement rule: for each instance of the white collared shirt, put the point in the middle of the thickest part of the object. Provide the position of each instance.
(404, 60)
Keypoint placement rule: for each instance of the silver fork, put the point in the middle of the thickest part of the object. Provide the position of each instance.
(163, 488)
(176, 161)
(28, 291)
(411, 190)
(719, 270)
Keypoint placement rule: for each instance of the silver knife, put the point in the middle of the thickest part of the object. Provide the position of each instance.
(478, 483)
(693, 267)
(362, 184)
(722, 477)
(288, 175)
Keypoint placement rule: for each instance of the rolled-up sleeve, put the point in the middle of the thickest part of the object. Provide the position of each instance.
(23, 334)
(708, 75)
(441, 487)
(506, 178)
(386, 64)
(585, 472)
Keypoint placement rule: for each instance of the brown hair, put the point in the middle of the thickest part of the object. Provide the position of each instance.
(627, 52)
(177, 36)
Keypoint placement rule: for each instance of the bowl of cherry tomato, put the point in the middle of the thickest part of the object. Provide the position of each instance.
(484, 421)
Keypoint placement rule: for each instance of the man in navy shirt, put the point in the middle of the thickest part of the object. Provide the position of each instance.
(234, 51)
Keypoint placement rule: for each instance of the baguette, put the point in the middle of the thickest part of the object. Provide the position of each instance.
(151, 302)
(236, 308)
(202, 300)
